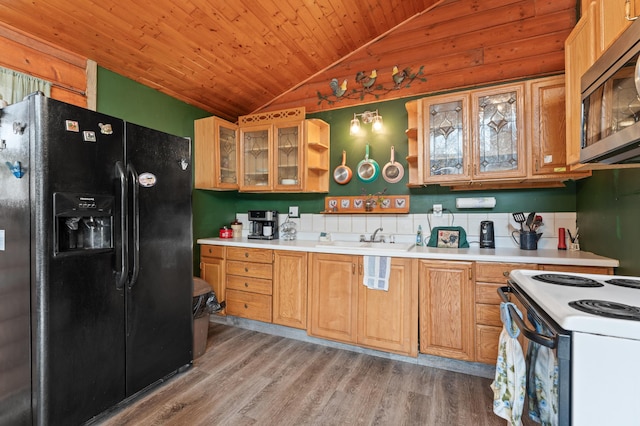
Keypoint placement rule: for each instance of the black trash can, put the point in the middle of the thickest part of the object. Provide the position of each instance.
(201, 293)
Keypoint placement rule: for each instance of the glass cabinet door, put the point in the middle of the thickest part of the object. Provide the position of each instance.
(255, 143)
(288, 156)
(226, 154)
(498, 132)
(447, 139)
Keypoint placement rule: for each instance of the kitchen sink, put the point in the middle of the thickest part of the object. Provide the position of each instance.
(368, 245)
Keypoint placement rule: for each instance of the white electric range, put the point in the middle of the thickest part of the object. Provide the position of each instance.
(595, 322)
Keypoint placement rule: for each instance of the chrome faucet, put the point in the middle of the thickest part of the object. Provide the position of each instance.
(373, 237)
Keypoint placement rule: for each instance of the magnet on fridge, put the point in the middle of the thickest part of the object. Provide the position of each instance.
(105, 129)
(71, 126)
(89, 136)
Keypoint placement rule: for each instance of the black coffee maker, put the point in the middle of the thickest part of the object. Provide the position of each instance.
(487, 236)
(263, 224)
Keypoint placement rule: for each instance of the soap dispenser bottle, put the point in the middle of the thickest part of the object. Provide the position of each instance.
(419, 236)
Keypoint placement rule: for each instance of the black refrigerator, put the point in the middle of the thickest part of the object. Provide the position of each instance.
(95, 261)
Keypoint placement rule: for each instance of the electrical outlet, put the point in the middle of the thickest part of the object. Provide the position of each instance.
(293, 211)
(437, 210)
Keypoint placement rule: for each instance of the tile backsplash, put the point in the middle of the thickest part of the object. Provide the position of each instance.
(404, 226)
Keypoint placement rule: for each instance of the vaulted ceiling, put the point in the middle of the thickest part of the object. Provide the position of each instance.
(229, 57)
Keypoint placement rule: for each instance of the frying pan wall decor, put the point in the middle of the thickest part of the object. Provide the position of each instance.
(393, 171)
(342, 174)
(368, 169)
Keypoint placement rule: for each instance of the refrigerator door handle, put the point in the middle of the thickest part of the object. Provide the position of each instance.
(121, 276)
(135, 230)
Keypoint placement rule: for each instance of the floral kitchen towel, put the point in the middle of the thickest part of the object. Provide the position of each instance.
(542, 380)
(509, 384)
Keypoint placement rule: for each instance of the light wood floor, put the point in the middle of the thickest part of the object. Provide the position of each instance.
(251, 378)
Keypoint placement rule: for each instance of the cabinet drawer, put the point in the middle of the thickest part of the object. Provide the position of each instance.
(487, 338)
(253, 285)
(488, 315)
(212, 251)
(488, 293)
(249, 305)
(250, 254)
(247, 269)
(492, 272)
(578, 269)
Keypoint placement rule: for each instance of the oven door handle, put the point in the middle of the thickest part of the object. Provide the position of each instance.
(534, 336)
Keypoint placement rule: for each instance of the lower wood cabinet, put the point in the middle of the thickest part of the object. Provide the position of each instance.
(249, 283)
(388, 320)
(290, 288)
(212, 270)
(446, 309)
(341, 308)
(333, 297)
(489, 277)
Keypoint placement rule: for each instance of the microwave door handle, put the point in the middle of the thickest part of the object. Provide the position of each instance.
(121, 276)
(534, 336)
(636, 76)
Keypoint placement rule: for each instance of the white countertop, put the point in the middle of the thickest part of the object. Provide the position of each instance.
(514, 255)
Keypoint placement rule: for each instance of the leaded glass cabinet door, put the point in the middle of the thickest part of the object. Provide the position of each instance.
(256, 169)
(498, 133)
(288, 156)
(226, 153)
(446, 137)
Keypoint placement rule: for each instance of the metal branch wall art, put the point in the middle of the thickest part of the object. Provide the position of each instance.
(366, 85)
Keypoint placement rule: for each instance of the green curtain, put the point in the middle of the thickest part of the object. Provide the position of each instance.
(14, 86)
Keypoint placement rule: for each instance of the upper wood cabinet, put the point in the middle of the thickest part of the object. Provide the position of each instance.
(547, 130)
(277, 151)
(497, 132)
(215, 154)
(612, 20)
(493, 137)
(580, 54)
(471, 136)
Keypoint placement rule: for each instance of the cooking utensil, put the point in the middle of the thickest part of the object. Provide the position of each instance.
(368, 169)
(530, 220)
(342, 174)
(392, 172)
(519, 218)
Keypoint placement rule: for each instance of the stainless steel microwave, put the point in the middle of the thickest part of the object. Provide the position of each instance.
(611, 103)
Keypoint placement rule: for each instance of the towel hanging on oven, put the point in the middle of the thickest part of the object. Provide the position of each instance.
(542, 380)
(509, 383)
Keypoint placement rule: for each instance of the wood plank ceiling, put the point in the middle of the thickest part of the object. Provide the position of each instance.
(227, 57)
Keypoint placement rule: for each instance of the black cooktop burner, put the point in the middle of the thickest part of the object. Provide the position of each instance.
(569, 280)
(607, 309)
(624, 282)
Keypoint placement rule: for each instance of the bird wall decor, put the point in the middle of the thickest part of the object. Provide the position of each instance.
(366, 85)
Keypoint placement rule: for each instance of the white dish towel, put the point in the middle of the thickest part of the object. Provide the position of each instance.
(376, 272)
(509, 385)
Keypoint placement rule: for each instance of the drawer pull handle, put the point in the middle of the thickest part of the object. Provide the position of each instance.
(246, 269)
(505, 274)
(246, 284)
(246, 306)
(246, 254)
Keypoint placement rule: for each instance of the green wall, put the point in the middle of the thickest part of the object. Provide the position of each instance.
(124, 98)
(608, 205)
